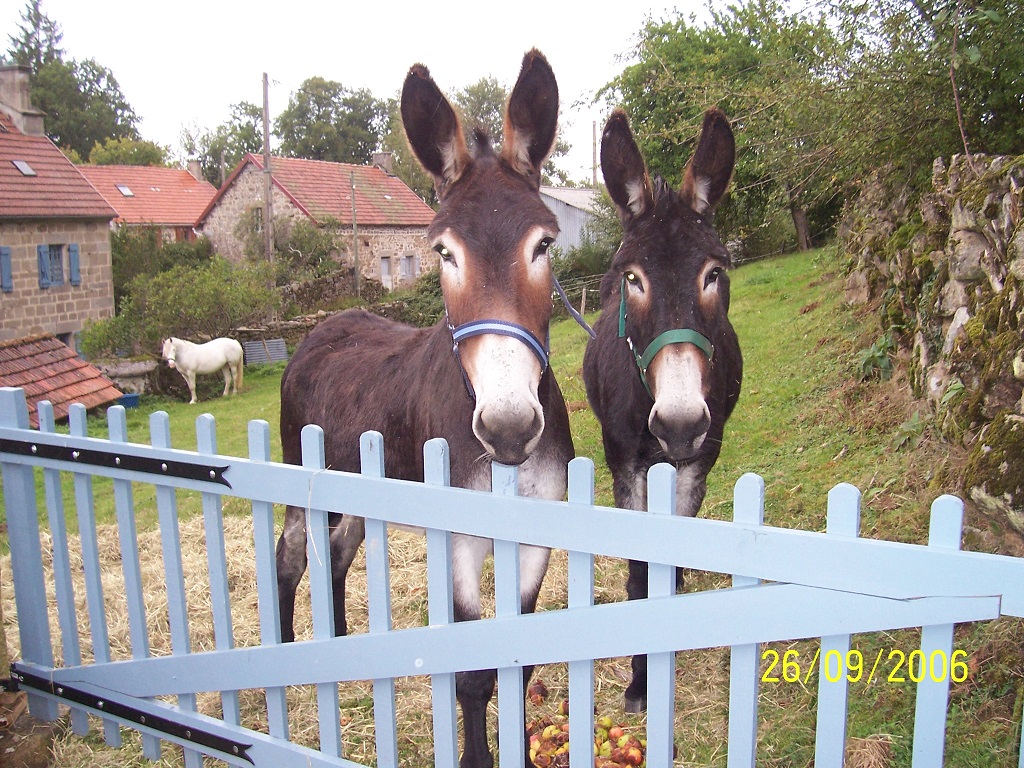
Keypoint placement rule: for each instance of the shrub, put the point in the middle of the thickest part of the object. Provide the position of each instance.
(190, 302)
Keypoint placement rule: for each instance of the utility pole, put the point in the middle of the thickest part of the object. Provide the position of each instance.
(593, 166)
(355, 231)
(268, 211)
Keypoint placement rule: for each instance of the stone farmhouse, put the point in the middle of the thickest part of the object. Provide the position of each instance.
(55, 271)
(169, 199)
(388, 241)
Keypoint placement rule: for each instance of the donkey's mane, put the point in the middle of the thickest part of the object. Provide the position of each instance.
(482, 139)
(664, 193)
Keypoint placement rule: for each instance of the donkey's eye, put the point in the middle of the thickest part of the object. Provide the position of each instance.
(634, 279)
(444, 253)
(542, 247)
(712, 276)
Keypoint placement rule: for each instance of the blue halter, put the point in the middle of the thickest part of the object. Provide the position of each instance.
(673, 336)
(512, 330)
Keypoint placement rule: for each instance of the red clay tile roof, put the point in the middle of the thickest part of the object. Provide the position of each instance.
(48, 370)
(57, 191)
(170, 197)
(323, 190)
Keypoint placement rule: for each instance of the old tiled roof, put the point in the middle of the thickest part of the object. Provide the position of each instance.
(323, 190)
(170, 197)
(56, 191)
(48, 370)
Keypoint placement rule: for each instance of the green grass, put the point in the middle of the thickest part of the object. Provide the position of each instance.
(804, 422)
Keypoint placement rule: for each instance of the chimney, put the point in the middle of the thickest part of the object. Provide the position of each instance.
(384, 161)
(16, 100)
(195, 168)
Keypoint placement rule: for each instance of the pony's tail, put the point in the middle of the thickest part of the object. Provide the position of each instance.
(238, 373)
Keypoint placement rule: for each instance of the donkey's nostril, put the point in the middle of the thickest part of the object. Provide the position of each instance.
(510, 435)
(681, 433)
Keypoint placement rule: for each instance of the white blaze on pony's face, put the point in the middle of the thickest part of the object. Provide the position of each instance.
(492, 233)
(168, 352)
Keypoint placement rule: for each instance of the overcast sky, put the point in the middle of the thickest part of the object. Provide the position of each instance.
(184, 63)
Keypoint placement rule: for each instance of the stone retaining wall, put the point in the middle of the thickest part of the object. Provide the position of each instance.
(947, 272)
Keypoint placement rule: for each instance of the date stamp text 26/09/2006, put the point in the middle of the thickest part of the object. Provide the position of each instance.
(892, 665)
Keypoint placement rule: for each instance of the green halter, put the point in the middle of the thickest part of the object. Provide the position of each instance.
(673, 336)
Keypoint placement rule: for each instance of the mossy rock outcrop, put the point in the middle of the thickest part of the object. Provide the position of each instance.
(994, 478)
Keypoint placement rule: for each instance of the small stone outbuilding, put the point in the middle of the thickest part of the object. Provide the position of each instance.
(388, 241)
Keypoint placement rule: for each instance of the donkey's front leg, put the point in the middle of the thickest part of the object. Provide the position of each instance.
(347, 533)
(472, 689)
(291, 564)
(190, 379)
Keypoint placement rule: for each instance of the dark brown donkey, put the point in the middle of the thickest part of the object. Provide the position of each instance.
(664, 372)
(479, 378)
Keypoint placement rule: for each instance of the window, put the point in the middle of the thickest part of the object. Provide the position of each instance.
(6, 272)
(125, 190)
(56, 256)
(25, 168)
(51, 264)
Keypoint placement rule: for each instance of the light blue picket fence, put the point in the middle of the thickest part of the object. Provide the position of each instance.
(825, 586)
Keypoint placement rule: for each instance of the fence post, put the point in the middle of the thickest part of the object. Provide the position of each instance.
(124, 509)
(581, 595)
(78, 421)
(436, 471)
(745, 660)
(944, 531)
(174, 573)
(511, 716)
(216, 559)
(26, 553)
(63, 587)
(321, 593)
(661, 667)
(266, 578)
(378, 587)
(843, 519)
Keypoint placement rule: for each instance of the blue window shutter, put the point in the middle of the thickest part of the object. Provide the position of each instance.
(73, 268)
(43, 252)
(6, 273)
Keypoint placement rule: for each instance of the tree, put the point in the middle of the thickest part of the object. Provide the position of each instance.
(128, 152)
(223, 148)
(82, 99)
(39, 40)
(324, 120)
(770, 71)
(83, 105)
(482, 105)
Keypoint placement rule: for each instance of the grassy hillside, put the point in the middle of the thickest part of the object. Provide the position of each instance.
(804, 422)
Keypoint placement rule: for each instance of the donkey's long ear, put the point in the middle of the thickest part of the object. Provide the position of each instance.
(531, 118)
(433, 129)
(625, 173)
(710, 169)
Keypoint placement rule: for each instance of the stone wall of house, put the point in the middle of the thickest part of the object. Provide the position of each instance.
(246, 193)
(375, 242)
(947, 272)
(60, 309)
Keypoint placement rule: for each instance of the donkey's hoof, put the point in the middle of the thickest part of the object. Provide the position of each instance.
(635, 704)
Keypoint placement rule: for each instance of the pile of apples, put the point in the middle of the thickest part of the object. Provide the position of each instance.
(549, 739)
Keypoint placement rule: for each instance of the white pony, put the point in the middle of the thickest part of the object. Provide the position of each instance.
(218, 355)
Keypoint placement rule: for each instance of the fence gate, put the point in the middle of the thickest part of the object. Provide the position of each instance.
(879, 586)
